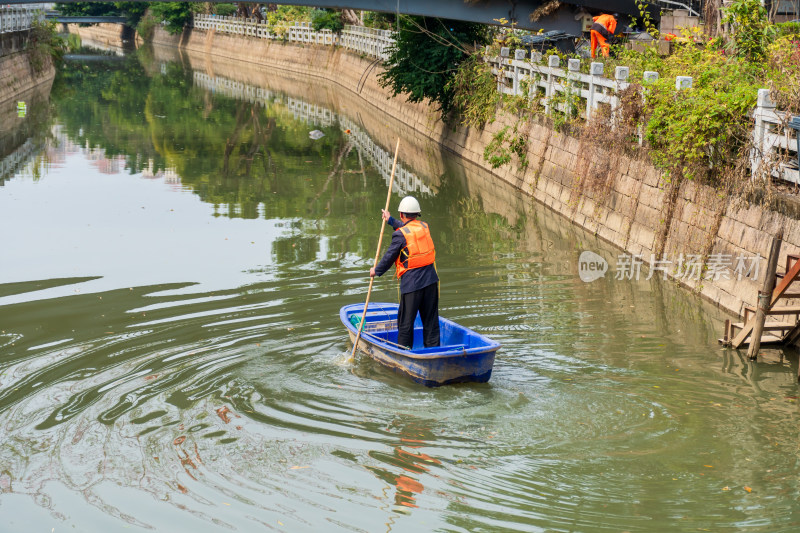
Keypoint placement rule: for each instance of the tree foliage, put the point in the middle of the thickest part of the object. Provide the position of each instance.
(44, 44)
(174, 15)
(474, 90)
(699, 132)
(381, 21)
(223, 9)
(133, 11)
(284, 14)
(750, 28)
(426, 55)
(327, 19)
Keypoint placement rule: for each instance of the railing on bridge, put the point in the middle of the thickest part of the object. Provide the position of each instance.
(367, 41)
(19, 18)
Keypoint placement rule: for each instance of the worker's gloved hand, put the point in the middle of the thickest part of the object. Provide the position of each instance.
(385, 214)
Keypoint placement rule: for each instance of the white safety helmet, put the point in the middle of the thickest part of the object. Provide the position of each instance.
(409, 205)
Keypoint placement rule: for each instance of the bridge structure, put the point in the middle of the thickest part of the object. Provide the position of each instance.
(569, 17)
(58, 17)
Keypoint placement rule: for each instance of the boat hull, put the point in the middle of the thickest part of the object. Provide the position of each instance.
(454, 364)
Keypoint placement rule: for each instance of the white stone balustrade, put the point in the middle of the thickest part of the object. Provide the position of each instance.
(368, 41)
(772, 137)
(19, 17)
(549, 80)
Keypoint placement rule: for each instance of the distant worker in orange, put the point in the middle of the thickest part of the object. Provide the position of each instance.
(602, 29)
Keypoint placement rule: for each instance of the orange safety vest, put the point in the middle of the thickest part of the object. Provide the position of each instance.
(605, 25)
(419, 250)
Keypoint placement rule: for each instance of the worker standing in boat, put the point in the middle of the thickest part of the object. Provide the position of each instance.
(413, 254)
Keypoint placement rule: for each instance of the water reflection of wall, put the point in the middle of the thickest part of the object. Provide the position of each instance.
(17, 159)
(405, 181)
(418, 153)
(21, 133)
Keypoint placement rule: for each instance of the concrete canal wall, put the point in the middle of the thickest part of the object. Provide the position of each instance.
(17, 74)
(626, 202)
(105, 34)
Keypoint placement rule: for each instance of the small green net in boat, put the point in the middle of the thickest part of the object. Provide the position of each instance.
(373, 326)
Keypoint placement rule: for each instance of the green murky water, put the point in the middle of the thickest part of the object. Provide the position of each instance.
(174, 258)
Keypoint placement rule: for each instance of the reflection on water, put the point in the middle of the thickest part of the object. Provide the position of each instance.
(24, 125)
(405, 182)
(406, 464)
(170, 352)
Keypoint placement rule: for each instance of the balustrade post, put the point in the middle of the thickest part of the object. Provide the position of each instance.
(648, 78)
(501, 77)
(595, 72)
(683, 82)
(574, 76)
(552, 62)
(761, 144)
(620, 83)
(519, 55)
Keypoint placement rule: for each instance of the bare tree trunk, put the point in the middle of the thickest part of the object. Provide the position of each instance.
(773, 10)
(349, 16)
(257, 12)
(712, 18)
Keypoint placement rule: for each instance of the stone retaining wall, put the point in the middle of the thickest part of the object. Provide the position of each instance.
(629, 206)
(17, 76)
(105, 34)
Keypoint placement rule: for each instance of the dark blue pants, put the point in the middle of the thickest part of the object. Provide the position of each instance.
(426, 302)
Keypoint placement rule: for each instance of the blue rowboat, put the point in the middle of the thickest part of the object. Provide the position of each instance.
(463, 355)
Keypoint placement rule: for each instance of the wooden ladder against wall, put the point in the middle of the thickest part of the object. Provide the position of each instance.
(785, 328)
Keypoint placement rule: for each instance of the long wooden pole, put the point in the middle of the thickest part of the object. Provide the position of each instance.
(765, 296)
(377, 252)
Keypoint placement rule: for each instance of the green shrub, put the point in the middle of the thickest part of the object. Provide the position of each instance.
(173, 15)
(74, 42)
(783, 73)
(382, 21)
(327, 19)
(288, 14)
(224, 10)
(752, 32)
(699, 132)
(44, 44)
(426, 55)
(475, 94)
(146, 27)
